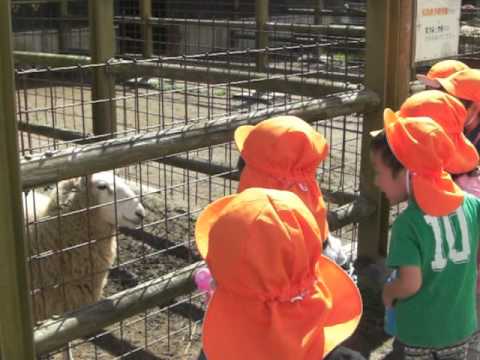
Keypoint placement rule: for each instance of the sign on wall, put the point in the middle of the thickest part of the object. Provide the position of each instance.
(437, 27)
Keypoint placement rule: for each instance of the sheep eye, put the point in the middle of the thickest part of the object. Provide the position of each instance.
(102, 187)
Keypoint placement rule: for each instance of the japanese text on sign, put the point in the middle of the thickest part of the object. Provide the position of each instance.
(437, 29)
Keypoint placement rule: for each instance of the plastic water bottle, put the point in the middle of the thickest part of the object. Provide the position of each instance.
(204, 281)
(390, 321)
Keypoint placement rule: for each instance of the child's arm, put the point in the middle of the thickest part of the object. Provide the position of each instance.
(406, 284)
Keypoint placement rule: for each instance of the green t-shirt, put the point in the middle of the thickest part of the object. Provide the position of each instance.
(442, 312)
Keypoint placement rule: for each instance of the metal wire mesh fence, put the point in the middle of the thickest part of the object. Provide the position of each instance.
(55, 107)
(107, 243)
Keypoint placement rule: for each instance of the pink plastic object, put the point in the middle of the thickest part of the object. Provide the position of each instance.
(204, 281)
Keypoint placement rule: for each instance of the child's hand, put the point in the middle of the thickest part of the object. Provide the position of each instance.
(387, 297)
(406, 284)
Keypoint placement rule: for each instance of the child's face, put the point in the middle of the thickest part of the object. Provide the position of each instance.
(394, 187)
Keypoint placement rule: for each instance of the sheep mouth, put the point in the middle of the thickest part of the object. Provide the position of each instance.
(129, 221)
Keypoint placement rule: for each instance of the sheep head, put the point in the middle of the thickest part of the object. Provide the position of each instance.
(114, 200)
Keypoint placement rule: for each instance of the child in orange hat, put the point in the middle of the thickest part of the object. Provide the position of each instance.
(440, 70)
(276, 296)
(450, 114)
(465, 85)
(433, 241)
(284, 153)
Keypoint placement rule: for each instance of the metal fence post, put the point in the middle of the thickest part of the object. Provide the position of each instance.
(16, 336)
(388, 72)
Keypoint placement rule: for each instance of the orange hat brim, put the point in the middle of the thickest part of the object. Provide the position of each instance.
(257, 331)
(449, 86)
(465, 158)
(346, 312)
(389, 119)
(241, 134)
(437, 197)
(205, 222)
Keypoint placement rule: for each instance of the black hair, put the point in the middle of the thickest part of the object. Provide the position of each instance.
(240, 164)
(380, 145)
(465, 102)
(472, 173)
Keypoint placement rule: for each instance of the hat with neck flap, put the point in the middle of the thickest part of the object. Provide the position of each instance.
(276, 296)
(284, 153)
(424, 148)
(450, 114)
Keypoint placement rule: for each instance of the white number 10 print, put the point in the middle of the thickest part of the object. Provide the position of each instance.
(456, 256)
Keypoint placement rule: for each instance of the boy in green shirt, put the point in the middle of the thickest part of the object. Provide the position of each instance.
(433, 242)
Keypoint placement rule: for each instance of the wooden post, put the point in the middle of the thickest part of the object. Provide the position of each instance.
(261, 41)
(16, 336)
(319, 6)
(64, 29)
(388, 69)
(147, 34)
(102, 48)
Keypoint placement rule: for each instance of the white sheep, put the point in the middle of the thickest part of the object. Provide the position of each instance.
(72, 253)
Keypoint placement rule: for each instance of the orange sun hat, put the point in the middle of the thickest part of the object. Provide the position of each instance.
(423, 148)
(463, 84)
(450, 114)
(276, 296)
(442, 69)
(283, 153)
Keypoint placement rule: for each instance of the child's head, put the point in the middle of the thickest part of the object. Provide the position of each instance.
(276, 296)
(450, 114)
(390, 175)
(441, 69)
(465, 85)
(423, 147)
(283, 146)
(283, 153)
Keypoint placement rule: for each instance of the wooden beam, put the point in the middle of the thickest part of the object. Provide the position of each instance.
(332, 30)
(387, 74)
(102, 49)
(55, 333)
(54, 133)
(50, 59)
(147, 33)
(219, 169)
(64, 29)
(202, 166)
(55, 166)
(350, 213)
(261, 34)
(16, 340)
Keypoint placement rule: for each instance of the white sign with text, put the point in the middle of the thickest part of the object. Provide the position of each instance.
(437, 29)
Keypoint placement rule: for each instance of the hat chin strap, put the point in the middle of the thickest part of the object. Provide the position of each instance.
(407, 181)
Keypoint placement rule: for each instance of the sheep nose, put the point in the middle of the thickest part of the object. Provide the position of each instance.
(140, 213)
